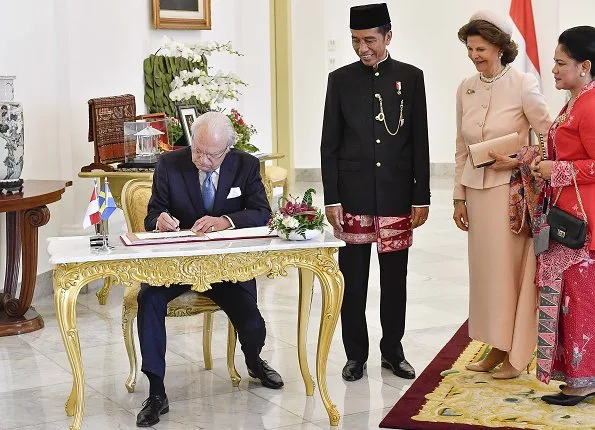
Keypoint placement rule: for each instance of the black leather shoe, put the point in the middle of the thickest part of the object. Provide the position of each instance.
(562, 399)
(401, 368)
(353, 370)
(267, 375)
(154, 406)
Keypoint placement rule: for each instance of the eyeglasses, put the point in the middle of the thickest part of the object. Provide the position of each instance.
(211, 157)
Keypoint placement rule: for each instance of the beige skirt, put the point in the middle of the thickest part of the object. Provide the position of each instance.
(503, 297)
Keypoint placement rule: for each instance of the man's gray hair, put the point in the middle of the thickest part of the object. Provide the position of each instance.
(214, 120)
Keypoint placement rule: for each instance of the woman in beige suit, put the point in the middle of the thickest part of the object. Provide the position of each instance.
(497, 101)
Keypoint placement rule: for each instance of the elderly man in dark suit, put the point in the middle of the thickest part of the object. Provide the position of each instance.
(192, 190)
(376, 178)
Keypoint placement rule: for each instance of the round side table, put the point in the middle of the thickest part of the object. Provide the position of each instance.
(26, 211)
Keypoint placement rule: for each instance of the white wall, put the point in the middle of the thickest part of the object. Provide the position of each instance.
(427, 40)
(69, 51)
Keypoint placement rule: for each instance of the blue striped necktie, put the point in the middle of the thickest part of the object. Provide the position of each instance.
(208, 192)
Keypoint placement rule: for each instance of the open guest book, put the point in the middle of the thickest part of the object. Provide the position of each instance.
(165, 237)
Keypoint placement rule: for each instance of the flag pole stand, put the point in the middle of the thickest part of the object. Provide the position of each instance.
(105, 248)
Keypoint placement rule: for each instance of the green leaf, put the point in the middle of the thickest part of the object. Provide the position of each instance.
(447, 412)
(148, 100)
(512, 400)
(148, 65)
(307, 199)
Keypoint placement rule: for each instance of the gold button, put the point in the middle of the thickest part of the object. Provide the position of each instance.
(378, 164)
(480, 124)
(377, 140)
(488, 87)
(484, 106)
(376, 74)
(377, 95)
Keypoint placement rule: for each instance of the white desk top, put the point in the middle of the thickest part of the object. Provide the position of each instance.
(76, 249)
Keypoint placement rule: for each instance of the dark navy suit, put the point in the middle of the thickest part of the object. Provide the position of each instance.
(176, 189)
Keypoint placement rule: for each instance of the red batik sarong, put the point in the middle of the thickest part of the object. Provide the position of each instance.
(574, 359)
(388, 232)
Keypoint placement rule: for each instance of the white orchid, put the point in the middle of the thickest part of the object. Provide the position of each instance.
(207, 89)
(193, 52)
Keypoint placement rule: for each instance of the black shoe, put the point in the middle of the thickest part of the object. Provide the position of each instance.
(267, 375)
(562, 399)
(353, 370)
(154, 406)
(400, 368)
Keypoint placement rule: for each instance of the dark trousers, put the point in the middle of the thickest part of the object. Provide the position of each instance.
(354, 262)
(238, 301)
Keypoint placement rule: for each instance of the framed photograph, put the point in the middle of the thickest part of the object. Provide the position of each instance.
(182, 14)
(187, 114)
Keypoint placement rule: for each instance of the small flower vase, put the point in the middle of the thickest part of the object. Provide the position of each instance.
(12, 141)
(310, 234)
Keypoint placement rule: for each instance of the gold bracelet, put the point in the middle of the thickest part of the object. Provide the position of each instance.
(455, 201)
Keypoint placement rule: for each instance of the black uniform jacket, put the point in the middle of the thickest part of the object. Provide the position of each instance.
(364, 168)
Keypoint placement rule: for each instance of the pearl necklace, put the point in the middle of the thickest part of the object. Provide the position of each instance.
(494, 78)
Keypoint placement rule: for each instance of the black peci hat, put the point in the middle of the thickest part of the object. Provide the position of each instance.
(368, 16)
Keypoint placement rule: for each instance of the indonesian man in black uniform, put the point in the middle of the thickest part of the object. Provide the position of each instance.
(376, 177)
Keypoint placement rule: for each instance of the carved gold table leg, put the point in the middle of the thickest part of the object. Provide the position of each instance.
(331, 284)
(231, 350)
(207, 334)
(104, 291)
(65, 296)
(128, 317)
(306, 285)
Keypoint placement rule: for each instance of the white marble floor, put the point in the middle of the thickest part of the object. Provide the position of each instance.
(35, 376)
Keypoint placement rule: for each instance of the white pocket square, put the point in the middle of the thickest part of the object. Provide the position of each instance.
(234, 192)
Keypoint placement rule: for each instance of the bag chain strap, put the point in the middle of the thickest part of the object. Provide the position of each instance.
(578, 194)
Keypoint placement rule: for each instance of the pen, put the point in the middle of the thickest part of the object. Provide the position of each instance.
(171, 216)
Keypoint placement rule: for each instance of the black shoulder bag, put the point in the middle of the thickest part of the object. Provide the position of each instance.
(565, 228)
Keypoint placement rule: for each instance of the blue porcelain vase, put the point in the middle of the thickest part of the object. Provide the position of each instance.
(12, 140)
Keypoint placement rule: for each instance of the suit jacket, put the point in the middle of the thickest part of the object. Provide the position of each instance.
(486, 111)
(176, 188)
(364, 168)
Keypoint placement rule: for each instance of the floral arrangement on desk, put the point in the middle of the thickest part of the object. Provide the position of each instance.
(297, 221)
(178, 73)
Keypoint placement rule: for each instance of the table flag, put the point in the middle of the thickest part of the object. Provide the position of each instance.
(92, 216)
(107, 205)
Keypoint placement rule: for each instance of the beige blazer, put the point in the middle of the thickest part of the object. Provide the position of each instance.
(486, 111)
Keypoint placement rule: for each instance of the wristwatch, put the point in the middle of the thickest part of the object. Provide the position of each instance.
(455, 201)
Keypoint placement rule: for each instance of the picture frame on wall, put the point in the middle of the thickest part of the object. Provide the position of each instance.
(182, 14)
(187, 114)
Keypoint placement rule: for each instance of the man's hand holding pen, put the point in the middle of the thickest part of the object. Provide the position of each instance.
(167, 222)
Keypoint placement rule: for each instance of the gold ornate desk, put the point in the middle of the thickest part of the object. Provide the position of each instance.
(199, 264)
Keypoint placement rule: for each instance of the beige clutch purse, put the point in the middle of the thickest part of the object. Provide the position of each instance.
(504, 145)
